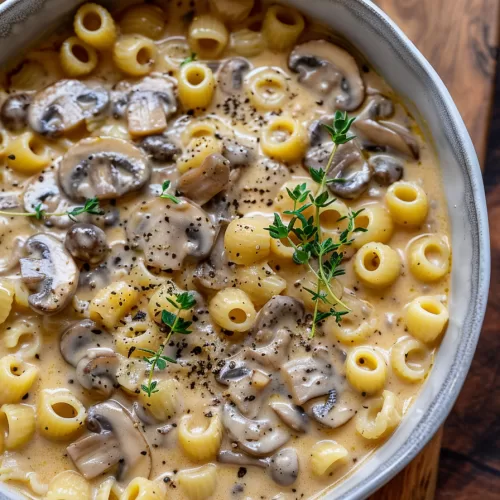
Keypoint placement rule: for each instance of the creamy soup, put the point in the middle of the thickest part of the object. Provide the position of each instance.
(214, 282)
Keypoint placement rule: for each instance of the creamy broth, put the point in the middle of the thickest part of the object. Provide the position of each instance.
(147, 243)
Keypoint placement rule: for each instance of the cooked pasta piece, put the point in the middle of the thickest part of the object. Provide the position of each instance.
(207, 36)
(135, 55)
(232, 309)
(283, 201)
(27, 154)
(4, 139)
(196, 85)
(247, 241)
(366, 370)
(259, 282)
(199, 483)
(426, 318)
(310, 281)
(200, 442)
(377, 265)
(69, 485)
(28, 76)
(17, 425)
(77, 57)
(208, 127)
(379, 416)
(108, 490)
(247, 43)
(16, 378)
(10, 470)
(132, 337)
(410, 359)
(141, 277)
(112, 303)
(282, 26)
(429, 258)
(160, 301)
(332, 219)
(282, 249)
(267, 90)
(284, 139)
(407, 203)
(146, 19)
(231, 11)
(21, 294)
(327, 456)
(171, 53)
(198, 149)
(60, 415)
(94, 25)
(378, 224)
(6, 299)
(25, 337)
(164, 403)
(143, 489)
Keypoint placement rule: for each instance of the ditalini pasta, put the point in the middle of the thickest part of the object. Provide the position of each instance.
(225, 260)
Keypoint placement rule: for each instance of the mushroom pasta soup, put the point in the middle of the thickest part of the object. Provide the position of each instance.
(225, 260)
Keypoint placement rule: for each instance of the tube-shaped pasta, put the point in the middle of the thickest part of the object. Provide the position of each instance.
(377, 265)
(231, 11)
(260, 282)
(135, 55)
(366, 370)
(379, 416)
(4, 139)
(403, 363)
(200, 442)
(6, 299)
(112, 303)
(196, 85)
(247, 241)
(429, 258)
(282, 249)
(163, 403)
(77, 57)
(327, 456)
(283, 201)
(282, 27)
(232, 310)
(132, 337)
(198, 483)
(143, 489)
(16, 378)
(146, 19)
(25, 337)
(17, 425)
(160, 301)
(378, 224)
(94, 25)
(108, 490)
(27, 154)
(267, 90)
(284, 139)
(426, 318)
(329, 217)
(69, 485)
(60, 415)
(197, 151)
(407, 203)
(247, 43)
(207, 36)
(21, 294)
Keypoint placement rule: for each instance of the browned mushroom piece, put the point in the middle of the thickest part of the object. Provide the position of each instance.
(169, 233)
(105, 168)
(62, 107)
(87, 243)
(14, 112)
(237, 153)
(231, 74)
(96, 371)
(201, 184)
(330, 72)
(147, 104)
(284, 466)
(50, 273)
(160, 148)
(336, 408)
(387, 169)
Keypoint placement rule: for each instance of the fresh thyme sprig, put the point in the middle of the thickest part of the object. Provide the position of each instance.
(166, 195)
(91, 207)
(191, 58)
(175, 324)
(322, 257)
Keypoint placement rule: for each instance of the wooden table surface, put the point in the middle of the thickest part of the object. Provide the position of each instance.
(460, 39)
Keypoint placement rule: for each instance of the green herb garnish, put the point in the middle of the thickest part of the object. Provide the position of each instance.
(166, 195)
(189, 59)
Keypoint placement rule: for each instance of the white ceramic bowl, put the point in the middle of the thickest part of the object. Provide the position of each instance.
(407, 71)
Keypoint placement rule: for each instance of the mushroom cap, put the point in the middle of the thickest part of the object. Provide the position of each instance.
(284, 466)
(14, 112)
(96, 371)
(86, 242)
(231, 74)
(160, 148)
(103, 167)
(50, 272)
(64, 106)
(331, 72)
(336, 410)
(280, 312)
(387, 169)
(169, 233)
(237, 154)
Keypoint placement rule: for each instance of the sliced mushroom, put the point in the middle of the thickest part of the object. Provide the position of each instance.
(169, 233)
(309, 377)
(256, 437)
(372, 127)
(64, 106)
(232, 73)
(284, 467)
(9, 200)
(148, 104)
(80, 337)
(96, 371)
(235, 458)
(330, 72)
(86, 242)
(201, 184)
(237, 154)
(123, 438)
(280, 312)
(292, 415)
(106, 168)
(50, 272)
(14, 112)
(387, 169)
(336, 410)
(160, 148)
(11, 261)
(275, 353)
